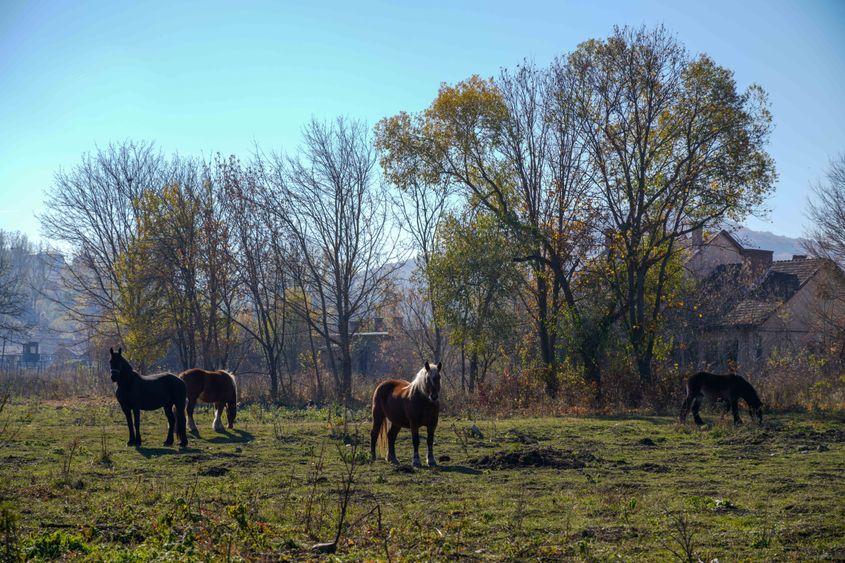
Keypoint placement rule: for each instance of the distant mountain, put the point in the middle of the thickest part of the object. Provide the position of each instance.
(784, 247)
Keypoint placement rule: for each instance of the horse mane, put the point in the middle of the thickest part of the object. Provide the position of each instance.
(233, 378)
(749, 392)
(418, 383)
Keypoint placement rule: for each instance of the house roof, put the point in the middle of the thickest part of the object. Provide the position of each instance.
(803, 268)
(750, 312)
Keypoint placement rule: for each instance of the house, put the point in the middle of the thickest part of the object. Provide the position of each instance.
(723, 249)
(759, 307)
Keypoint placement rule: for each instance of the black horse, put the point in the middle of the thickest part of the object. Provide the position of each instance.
(730, 388)
(148, 392)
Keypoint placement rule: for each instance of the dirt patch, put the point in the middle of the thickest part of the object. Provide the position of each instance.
(647, 443)
(534, 457)
(214, 471)
(514, 435)
(828, 436)
(745, 439)
(649, 467)
(403, 468)
(609, 534)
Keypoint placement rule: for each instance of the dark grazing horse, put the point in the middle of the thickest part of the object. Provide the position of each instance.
(401, 404)
(137, 393)
(730, 388)
(217, 387)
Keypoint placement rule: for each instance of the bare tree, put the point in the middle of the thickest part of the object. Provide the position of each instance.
(261, 256)
(329, 198)
(826, 211)
(420, 209)
(189, 244)
(92, 210)
(13, 294)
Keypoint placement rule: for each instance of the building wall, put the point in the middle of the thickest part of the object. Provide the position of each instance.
(812, 320)
(718, 251)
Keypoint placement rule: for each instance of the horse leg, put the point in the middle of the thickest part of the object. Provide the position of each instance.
(727, 407)
(231, 411)
(378, 420)
(429, 442)
(128, 413)
(735, 411)
(180, 424)
(217, 426)
(391, 443)
(696, 407)
(415, 438)
(685, 406)
(136, 413)
(192, 402)
(171, 422)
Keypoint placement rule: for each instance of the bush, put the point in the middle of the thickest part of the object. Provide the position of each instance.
(55, 545)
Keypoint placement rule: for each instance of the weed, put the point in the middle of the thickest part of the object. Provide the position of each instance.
(680, 535)
(104, 455)
(351, 459)
(11, 548)
(55, 545)
(463, 438)
(68, 454)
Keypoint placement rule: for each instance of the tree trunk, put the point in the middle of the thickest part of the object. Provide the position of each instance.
(592, 373)
(473, 371)
(274, 382)
(463, 369)
(547, 352)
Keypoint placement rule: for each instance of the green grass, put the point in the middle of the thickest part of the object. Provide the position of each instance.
(72, 489)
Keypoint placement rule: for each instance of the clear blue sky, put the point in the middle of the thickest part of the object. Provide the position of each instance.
(200, 77)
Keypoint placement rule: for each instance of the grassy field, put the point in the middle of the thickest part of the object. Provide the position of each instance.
(583, 488)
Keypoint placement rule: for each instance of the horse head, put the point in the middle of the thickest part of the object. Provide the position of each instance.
(432, 381)
(120, 368)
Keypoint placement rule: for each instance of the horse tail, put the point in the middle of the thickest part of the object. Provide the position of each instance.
(180, 398)
(380, 423)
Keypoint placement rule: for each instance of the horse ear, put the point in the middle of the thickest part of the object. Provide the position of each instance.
(427, 367)
(120, 350)
(111, 351)
(439, 365)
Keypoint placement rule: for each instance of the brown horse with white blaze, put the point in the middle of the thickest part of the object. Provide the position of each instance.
(217, 387)
(412, 404)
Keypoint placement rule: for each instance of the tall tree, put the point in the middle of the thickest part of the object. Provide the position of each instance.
(474, 282)
(495, 142)
(93, 209)
(826, 211)
(262, 259)
(13, 295)
(420, 209)
(329, 198)
(672, 145)
(190, 249)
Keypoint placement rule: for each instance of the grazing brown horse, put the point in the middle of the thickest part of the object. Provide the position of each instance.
(217, 387)
(137, 393)
(401, 404)
(730, 388)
